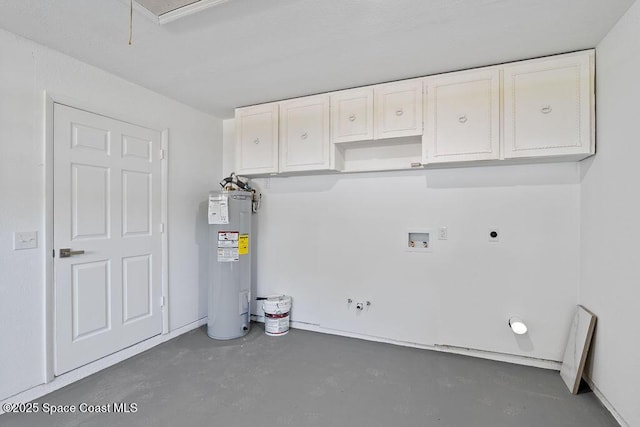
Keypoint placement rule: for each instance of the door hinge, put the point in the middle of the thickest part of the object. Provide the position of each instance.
(162, 227)
(162, 301)
(161, 154)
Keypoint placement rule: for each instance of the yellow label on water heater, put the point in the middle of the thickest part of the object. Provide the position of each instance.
(243, 244)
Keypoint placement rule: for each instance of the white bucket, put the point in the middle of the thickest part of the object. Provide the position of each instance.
(276, 315)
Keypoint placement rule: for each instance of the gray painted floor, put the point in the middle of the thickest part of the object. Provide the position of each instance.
(311, 379)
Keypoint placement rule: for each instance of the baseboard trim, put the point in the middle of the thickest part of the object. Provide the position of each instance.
(482, 354)
(605, 402)
(93, 367)
(552, 365)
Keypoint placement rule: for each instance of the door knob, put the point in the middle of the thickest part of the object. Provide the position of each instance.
(67, 252)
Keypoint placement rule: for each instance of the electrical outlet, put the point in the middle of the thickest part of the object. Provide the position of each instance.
(494, 234)
(443, 233)
(25, 240)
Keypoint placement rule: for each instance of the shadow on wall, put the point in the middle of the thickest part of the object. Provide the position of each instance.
(504, 176)
(524, 342)
(446, 178)
(253, 247)
(585, 165)
(202, 240)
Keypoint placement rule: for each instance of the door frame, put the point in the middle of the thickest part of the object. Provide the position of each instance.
(49, 99)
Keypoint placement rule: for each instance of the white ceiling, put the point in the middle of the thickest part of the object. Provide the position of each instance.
(251, 51)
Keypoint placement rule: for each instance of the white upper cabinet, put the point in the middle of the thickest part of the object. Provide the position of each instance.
(352, 115)
(462, 121)
(548, 105)
(257, 139)
(304, 134)
(398, 109)
(539, 110)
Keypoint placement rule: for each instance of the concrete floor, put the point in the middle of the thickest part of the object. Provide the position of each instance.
(311, 379)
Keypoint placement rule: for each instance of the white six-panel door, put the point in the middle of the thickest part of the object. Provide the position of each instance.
(107, 202)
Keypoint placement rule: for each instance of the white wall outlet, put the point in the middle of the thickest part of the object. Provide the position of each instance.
(443, 233)
(25, 240)
(494, 234)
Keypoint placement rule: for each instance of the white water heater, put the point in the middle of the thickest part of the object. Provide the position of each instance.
(229, 263)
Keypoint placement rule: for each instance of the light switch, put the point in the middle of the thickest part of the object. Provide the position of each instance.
(25, 240)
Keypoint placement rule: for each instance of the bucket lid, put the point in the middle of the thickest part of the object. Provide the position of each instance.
(277, 304)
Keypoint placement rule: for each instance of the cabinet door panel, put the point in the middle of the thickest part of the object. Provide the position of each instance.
(352, 115)
(462, 121)
(547, 107)
(398, 109)
(304, 134)
(257, 139)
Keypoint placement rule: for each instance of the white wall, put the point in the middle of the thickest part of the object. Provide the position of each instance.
(26, 70)
(610, 273)
(323, 239)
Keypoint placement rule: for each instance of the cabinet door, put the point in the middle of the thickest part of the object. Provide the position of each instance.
(352, 115)
(257, 139)
(462, 121)
(547, 107)
(398, 109)
(304, 134)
